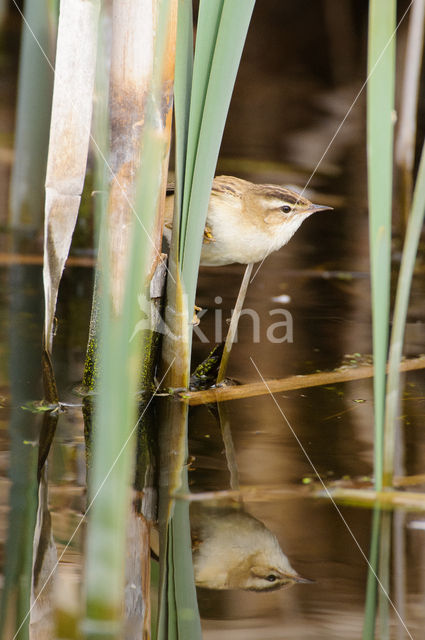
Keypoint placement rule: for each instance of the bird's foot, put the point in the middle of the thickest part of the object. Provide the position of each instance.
(208, 236)
(195, 320)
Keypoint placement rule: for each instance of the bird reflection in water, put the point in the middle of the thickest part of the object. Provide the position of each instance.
(234, 550)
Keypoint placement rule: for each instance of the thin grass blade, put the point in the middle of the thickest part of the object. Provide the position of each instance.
(406, 134)
(234, 22)
(207, 30)
(380, 125)
(178, 610)
(32, 118)
(384, 574)
(413, 233)
(24, 316)
(371, 588)
(182, 92)
(221, 34)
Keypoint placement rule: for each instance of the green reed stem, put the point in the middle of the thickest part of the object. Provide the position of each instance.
(121, 345)
(203, 87)
(35, 88)
(371, 589)
(380, 125)
(206, 130)
(413, 233)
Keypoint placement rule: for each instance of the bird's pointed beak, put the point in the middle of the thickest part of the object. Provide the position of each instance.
(320, 207)
(299, 579)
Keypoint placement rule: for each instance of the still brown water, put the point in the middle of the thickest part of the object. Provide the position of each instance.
(294, 88)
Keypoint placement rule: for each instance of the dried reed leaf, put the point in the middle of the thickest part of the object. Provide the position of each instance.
(69, 140)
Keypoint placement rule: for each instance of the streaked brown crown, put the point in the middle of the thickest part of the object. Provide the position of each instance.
(268, 197)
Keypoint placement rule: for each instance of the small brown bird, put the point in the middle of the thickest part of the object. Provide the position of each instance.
(246, 222)
(234, 550)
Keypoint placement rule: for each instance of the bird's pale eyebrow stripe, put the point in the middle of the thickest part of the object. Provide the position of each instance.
(284, 195)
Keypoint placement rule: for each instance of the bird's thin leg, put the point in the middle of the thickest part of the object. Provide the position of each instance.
(234, 323)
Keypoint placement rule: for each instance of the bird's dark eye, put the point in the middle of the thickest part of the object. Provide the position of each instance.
(271, 578)
(285, 208)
